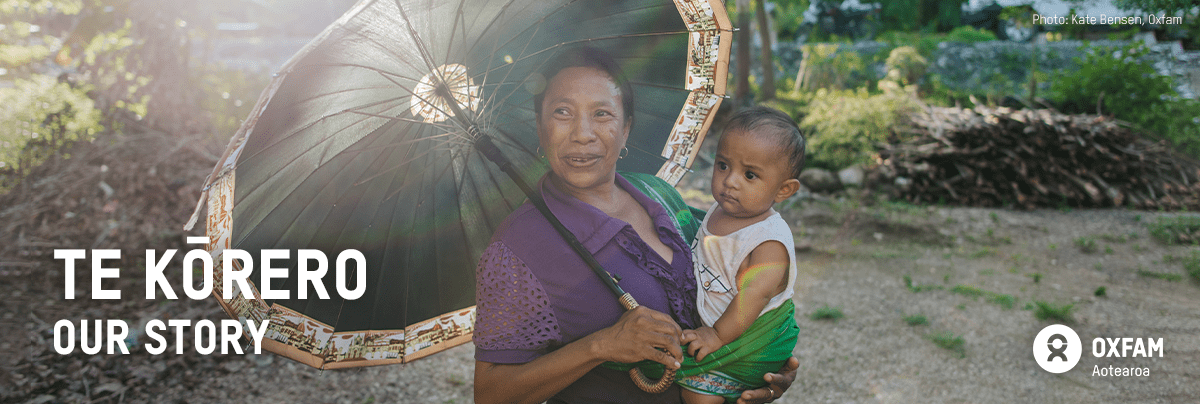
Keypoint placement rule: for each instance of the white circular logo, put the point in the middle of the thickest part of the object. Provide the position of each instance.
(1057, 348)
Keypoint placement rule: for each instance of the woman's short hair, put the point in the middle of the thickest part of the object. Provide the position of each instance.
(586, 56)
(767, 121)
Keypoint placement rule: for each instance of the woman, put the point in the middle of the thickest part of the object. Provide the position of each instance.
(544, 321)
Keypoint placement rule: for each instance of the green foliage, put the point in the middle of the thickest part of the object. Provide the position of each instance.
(905, 65)
(1050, 311)
(1160, 275)
(1191, 264)
(1101, 292)
(825, 67)
(41, 115)
(1176, 229)
(969, 34)
(788, 16)
(983, 253)
(1002, 300)
(950, 341)
(1124, 83)
(1086, 244)
(827, 313)
(916, 319)
(845, 126)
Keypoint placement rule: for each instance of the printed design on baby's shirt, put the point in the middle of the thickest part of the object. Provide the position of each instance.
(710, 280)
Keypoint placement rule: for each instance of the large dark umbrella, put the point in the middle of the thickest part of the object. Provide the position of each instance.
(355, 145)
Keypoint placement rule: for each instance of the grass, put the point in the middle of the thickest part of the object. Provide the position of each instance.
(1002, 300)
(1176, 229)
(1086, 244)
(916, 319)
(1101, 292)
(827, 313)
(908, 283)
(983, 252)
(1050, 311)
(1191, 264)
(1159, 275)
(950, 341)
(1037, 277)
(1119, 238)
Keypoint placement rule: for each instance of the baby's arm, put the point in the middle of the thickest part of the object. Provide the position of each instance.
(762, 276)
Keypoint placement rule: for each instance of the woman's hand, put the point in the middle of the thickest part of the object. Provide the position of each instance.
(779, 383)
(702, 341)
(638, 335)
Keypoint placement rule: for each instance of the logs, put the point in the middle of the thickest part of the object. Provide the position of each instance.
(1034, 158)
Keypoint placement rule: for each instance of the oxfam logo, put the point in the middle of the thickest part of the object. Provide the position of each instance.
(1057, 348)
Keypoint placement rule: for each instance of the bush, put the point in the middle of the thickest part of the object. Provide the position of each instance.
(40, 115)
(905, 65)
(845, 126)
(825, 67)
(1125, 85)
(969, 34)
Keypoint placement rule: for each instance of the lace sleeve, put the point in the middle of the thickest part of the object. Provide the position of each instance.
(513, 311)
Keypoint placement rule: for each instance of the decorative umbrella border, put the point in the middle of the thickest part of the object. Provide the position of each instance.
(306, 340)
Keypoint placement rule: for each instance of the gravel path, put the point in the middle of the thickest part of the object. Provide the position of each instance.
(872, 355)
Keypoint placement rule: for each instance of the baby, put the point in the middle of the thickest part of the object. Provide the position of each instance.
(745, 259)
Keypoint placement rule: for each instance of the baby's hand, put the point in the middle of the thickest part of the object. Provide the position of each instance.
(702, 341)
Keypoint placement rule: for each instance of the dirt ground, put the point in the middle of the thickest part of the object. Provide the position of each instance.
(973, 274)
(857, 263)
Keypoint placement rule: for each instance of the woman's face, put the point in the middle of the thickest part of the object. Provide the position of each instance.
(582, 128)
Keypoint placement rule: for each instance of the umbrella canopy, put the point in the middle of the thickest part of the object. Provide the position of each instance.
(352, 146)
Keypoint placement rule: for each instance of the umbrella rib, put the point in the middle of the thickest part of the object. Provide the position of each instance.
(391, 234)
(492, 97)
(314, 123)
(373, 69)
(380, 45)
(602, 38)
(496, 183)
(514, 90)
(496, 46)
(296, 133)
(416, 38)
(439, 176)
(402, 164)
(538, 24)
(331, 93)
(510, 139)
(287, 196)
(397, 144)
(458, 17)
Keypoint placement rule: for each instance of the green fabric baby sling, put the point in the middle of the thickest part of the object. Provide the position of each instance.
(763, 348)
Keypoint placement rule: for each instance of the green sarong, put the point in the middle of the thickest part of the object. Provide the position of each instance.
(740, 365)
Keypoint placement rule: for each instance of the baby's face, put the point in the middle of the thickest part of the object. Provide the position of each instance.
(749, 174)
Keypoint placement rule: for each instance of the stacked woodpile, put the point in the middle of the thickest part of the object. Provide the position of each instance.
(1035, 158)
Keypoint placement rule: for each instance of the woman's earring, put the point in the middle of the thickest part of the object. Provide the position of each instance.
(540, 154)
(626, 153)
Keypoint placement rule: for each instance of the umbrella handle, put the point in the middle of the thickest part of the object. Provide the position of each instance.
(639, 379)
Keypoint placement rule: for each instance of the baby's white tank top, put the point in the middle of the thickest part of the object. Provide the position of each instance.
(717, 259)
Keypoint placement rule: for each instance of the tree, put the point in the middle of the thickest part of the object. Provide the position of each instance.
(768, 58)
(43, 110)
(742, 91)
(1189, 10)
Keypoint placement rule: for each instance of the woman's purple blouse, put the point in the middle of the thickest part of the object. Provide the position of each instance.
(534, 294)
